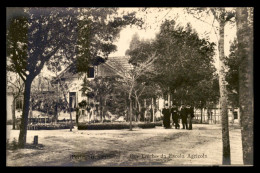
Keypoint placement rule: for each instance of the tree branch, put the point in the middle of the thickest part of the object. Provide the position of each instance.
(45, 59)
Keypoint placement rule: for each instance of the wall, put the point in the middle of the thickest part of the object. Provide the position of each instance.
(9, 100)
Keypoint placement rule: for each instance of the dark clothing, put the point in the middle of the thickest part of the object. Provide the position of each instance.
(190, 115)
(184, 118)
(175, 117)
(166, 117)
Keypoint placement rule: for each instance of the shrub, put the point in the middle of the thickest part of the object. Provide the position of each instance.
(13, 145)
(195, 121)
(146, 125)
(106, 126)
(102, 126)
(48, 126)
(158, 123)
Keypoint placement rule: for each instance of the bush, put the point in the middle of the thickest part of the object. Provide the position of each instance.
(102, 126)
(107, 126)
(158, 123)
(11, 146)
(146, 125)
(48, 126)
(195, 121)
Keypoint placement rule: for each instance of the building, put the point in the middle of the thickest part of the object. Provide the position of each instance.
(112, 67)
(9, 104)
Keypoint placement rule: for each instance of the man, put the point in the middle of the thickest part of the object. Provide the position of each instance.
(184, 117)
(190, 115)
(166, 117)
(175, 116)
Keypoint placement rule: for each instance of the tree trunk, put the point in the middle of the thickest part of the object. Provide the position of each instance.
(139, 109)
(245, 49)
(223, 97)
(232, 114)
(24, 119)
(169, 99)
(13, 112)
(238, 117)
(201, 114)
(127, 110)
(153, 109)
(70, 119)
(47, 115)
(100, 109)
(130, 113)
(215, 113)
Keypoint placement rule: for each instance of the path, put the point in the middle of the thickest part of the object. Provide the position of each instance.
(140, 147)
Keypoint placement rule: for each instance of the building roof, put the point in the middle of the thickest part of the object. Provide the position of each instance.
(119, 64)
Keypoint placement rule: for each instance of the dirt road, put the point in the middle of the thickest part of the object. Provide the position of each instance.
(140, 147)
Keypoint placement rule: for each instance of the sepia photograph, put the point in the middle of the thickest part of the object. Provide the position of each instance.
(129, 86)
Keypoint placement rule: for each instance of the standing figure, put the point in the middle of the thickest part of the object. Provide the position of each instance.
(175, 116)
(166, 117)
(190, 115)
(184, 117)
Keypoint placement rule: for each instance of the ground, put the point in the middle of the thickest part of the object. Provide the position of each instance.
(140, 147)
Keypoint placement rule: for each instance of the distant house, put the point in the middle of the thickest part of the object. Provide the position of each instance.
(111, 67)
(9, 103)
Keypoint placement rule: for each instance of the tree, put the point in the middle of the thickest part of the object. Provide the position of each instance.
(32, 39)
(129, 76)
(244, 21)
(184, 58)
(38, 34)
(222, 16)
(184, 61)
(204, 95)
(145, 88)
(232, 76)
(102, 89)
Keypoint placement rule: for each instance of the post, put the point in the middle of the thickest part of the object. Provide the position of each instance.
(70, 118)
(238, 116)
(215, 113)
(35, 140)
(153, 108)
(13, 113)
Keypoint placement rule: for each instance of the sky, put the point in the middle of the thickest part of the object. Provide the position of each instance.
(154, 18)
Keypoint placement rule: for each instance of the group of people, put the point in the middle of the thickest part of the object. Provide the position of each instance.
(185, 113)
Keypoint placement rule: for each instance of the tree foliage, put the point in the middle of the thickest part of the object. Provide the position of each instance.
(183, 61)
(232, 75)
(107, 92)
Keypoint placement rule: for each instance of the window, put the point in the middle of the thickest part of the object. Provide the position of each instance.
(72, 101)
(235, 114)
(91, 72)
